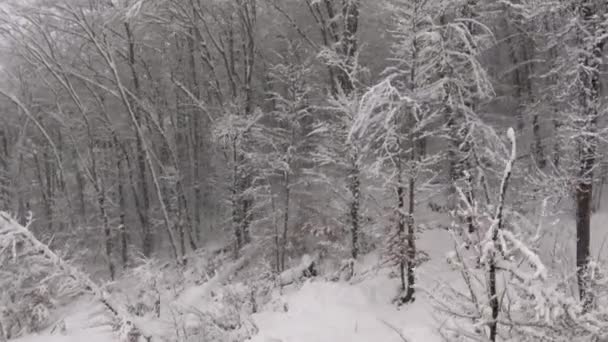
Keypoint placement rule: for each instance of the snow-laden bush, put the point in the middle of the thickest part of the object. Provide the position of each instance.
(28, 293)
(507, 293)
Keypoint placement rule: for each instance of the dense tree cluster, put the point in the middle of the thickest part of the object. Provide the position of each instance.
(150, 127)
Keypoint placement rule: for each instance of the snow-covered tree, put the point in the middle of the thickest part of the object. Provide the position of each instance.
(393, 121)
(575, 34)
(508, 293)
(287, 145)
(482, 299)
(444, 41)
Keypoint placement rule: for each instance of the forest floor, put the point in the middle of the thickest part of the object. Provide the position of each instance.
(323, 311)
(319, 310)
(357, 311)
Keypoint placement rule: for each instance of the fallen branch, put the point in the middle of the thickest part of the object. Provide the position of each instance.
(11, 231)
(306, 269)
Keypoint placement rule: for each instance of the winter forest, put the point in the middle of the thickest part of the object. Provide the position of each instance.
(303, 170)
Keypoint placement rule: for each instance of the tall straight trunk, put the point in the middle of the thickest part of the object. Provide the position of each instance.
(401, 229)
(587, 146)
(48, 174)
(133, 186)
(537, 148)
(557, 150)
(185, 151)
(23, 206)
(96, 170)
(59, 180)
(196, 139)
(277, 237)
(583, 197)
(452, 156)
(411, 228)
(44, 191)
(355, 189)
(249, 17)
(4, 173)
(552, 54)
(186, 161)
(236, 210)
(285, 220)
(411, 244)
(496, 245)
(518, 76)
(349, 47)
(107, 231)
(493, 294)
(122, 203)
(148, 238)
(246, 205)
(189, 230)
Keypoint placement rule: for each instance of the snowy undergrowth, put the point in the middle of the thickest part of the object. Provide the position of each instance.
(81, 321)
(361, 310)
(317, 310)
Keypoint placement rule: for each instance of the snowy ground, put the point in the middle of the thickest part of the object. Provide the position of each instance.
(83, 323)
(325, 312)
(321, 311)
(318, 311)
(340, 312)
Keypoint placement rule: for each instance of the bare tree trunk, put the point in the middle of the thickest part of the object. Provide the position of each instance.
(538, 149)
(197, 140)
(133, 186)
(148, 237)
(355, 189)
(492, 269)
(4, 172)
(285, 219)
(109, 245)
(401, 229)
(587, 147)
(122, 203)
(23, 206)
(48, 173)
(45, 195)
(583, 220)
(236, 210)
(80, 183)
(411, 232)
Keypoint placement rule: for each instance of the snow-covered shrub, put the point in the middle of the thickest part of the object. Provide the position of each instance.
(30, 290)
(28, 293)
(144, 296)
(507, 293)
(223, 317)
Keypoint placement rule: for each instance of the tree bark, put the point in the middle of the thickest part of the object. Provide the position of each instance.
(122, 203)
(285, 219)
(148, 237)
(402, 249)
(355, 192)
(589, 76)
(4, 172)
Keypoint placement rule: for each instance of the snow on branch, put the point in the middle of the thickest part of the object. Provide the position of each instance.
(11, 231)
